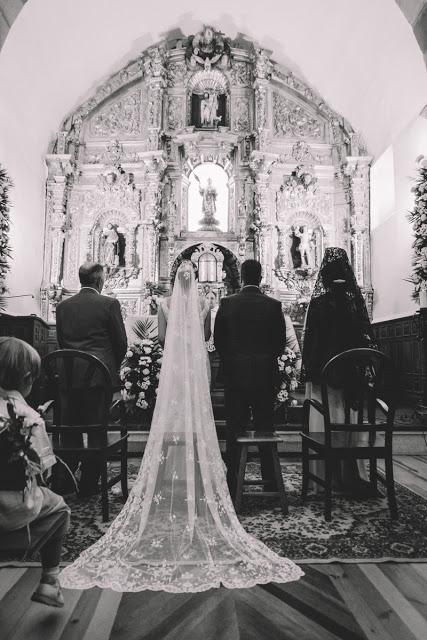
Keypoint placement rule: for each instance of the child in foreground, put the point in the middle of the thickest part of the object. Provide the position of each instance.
(23, 503)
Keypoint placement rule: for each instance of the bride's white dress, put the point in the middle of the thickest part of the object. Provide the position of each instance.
(178, 530)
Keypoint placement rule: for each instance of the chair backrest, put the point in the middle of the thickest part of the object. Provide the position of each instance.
(367, 377)
(80, 385)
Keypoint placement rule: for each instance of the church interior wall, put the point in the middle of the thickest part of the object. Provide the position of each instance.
(392, 177)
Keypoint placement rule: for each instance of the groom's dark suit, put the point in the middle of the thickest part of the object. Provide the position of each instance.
(249, 335)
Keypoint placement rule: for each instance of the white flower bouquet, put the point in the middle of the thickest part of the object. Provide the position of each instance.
(141, 369)
(288, 377)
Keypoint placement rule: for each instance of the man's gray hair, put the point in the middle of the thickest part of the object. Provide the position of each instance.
(90, 274)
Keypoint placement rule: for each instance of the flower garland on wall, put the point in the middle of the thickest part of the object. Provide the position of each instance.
(5, 251)
(418, 219)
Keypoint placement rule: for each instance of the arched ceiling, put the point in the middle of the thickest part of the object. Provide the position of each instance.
(362, 57)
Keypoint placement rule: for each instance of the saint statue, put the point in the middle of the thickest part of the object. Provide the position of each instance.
(111, 246)
(209, 195)
(305, 246)
(209, 109)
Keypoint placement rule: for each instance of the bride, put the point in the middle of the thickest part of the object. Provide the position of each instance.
(178, 531)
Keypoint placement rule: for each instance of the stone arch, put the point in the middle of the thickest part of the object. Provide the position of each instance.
(230, 262)
(126, 229)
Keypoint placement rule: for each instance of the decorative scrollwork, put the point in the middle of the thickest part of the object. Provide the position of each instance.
(291, 119)
(122, 117)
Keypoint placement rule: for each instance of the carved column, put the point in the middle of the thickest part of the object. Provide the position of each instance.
(262, 73)
(184, 203)
(171, 212)
(261, 165)
(358, 171)
(156, 165)
(155, 73)
(283, 248)
(231, 205)
(58, 183)
(130, 251)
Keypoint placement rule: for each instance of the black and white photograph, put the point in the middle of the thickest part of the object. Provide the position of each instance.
(213, 320)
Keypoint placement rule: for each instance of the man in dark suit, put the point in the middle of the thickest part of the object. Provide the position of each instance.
(93, 323)
(249, 335)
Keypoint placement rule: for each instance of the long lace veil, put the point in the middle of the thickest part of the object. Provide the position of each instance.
(178, 530)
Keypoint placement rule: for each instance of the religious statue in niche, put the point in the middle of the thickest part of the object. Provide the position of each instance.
(208, 109)
(209, 195)
(306, 246)
(113, 244)
(208, 47)
(302, 247)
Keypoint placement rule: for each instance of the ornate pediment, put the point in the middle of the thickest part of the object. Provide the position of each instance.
(207, 48)
(292, 120)
(122, 117)
(295, 190)
(115, 190)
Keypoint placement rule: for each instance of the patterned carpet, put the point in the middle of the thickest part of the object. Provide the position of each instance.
(360, 529)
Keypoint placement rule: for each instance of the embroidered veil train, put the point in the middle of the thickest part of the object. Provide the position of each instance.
(178, 530)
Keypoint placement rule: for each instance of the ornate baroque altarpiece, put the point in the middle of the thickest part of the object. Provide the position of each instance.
(124, 173)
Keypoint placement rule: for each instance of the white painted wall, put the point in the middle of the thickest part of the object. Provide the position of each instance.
(361, 56)
(391, 197)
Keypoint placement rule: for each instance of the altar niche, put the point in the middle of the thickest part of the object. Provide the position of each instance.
(305, 247)
(112, 247)
(209, 98)
(217, 268)
(208, 198)
(208, 110)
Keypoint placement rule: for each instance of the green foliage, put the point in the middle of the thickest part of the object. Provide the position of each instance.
(418, 218)
(145, 329)
(5, 251)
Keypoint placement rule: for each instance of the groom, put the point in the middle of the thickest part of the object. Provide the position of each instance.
(249, 335)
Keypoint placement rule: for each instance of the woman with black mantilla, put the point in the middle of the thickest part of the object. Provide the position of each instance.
(337, 320)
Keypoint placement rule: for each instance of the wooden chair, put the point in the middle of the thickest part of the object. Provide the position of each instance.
(25, 541)
(80, 385)
(371, 377)
(270, 441)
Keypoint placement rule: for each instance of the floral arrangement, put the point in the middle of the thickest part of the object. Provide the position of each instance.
(141, 369)
(288, 377)
(5, 251)
(19, 462)
(418, 219)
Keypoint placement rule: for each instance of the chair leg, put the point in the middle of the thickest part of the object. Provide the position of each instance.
(373, 480)
(124, 469)
(328, 489)
(240, 478)
(279, 481)
(104, 491)
(391, 495)
(305, 470)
